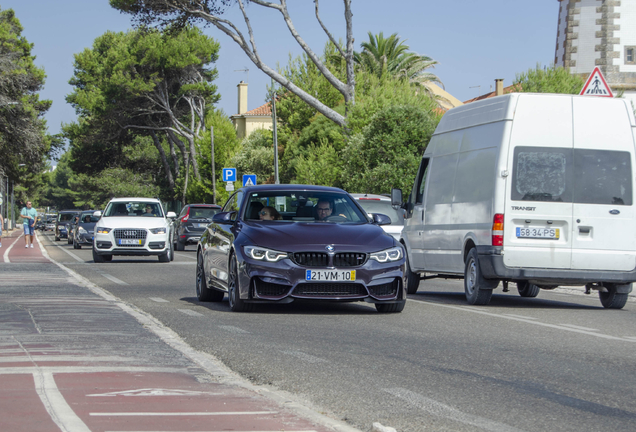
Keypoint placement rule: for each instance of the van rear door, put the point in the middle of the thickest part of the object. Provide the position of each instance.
(604, 229)
(538, 209)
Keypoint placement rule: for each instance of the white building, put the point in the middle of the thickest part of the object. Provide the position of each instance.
(599, 33)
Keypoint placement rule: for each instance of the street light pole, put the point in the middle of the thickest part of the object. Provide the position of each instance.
(275, 137)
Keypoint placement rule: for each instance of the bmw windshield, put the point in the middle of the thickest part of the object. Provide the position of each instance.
(303, 206)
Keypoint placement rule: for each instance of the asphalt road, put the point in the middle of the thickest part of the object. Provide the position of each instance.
(556, 362)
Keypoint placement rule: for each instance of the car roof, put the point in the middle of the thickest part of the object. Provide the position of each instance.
(124, 199)
(371, 197)
(204, 205)
(287, 187)
(68, 211)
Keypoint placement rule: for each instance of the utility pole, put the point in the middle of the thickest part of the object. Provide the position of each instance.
(275, 136)
(213, 173)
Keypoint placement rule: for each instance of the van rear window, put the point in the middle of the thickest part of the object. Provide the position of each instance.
(572, 175)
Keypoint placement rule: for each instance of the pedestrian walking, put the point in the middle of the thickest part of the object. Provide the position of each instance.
(29, 214)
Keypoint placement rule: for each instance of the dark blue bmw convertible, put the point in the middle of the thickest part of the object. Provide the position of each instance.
(277, 243)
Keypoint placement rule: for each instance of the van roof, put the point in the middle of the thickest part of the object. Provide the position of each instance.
(501, 108)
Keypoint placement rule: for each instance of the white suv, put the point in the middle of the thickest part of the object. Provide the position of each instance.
(133, 226)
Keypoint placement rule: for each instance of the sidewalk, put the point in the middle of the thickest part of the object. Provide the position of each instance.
(74, 358)
(13, 249)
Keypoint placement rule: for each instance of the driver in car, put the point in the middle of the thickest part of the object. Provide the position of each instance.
(323, 209)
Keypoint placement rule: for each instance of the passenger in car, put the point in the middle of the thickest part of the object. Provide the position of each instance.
(269, 213)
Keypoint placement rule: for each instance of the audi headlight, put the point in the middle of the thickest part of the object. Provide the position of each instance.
(103, 230)
(161, 230)
(387, 255)
(259, 253)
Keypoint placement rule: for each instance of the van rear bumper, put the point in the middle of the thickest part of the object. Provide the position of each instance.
(492, 267)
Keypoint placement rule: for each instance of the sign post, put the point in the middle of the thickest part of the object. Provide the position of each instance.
(249, 180)
(229, 176)
(596, 85)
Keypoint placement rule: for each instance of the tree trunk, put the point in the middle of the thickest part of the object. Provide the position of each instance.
(193, 158)
(175, 158)
(187, 174)
(164, 160)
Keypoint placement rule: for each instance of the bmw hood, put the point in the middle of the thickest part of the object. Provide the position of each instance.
(305, 237)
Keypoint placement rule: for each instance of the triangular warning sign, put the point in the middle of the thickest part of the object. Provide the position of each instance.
(596, 85)
(249, 182)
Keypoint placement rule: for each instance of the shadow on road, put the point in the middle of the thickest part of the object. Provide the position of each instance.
(297, 307)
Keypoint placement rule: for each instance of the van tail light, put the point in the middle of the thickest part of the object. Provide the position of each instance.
(497, 229)
(186, 216)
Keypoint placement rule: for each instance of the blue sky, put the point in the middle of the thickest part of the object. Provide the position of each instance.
(474, 42)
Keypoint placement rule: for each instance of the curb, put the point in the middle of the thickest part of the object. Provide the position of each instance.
(209, 363)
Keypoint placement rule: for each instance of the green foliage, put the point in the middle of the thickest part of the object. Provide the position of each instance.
(23, 137)
(321, 166)
(390, 56)
(128, 85)
(293, 113)
(554, 79)
(388, 151)
(320, 132)
(256, 156)
(376, 94)
(226, 146)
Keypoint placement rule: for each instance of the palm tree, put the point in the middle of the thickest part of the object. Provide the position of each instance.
(389, 56)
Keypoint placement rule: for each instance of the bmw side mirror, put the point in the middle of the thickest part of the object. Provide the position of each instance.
(171, 215)
(381, 219)
(97, 214)
(224, 217)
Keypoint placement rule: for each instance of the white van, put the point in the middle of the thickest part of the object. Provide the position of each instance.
(536, 189)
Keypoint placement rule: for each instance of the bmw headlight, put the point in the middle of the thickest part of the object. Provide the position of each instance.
(103, 230)
(82, 230)
(387, 255)
(259, 253)
(161, 230)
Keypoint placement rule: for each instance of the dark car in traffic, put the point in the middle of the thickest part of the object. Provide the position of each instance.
(65, 218)
(191, 223)
(319, 245)
(82, 232)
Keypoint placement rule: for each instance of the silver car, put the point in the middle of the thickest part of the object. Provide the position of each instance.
(382, 204)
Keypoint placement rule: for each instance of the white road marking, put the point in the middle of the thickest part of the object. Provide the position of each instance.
(439, 409)
(66, 358)
(190, 312)
(156, 392)
(306, 430)
(158, 300)
(6, 253)
(632, 338)
(233, 329)
(526, 320)
(87, 369)
(75, 257)
(181, 414)
(111, 278)
(520, 316)
(185, 255)
(305, 357)
(57, 407)
(580, 328)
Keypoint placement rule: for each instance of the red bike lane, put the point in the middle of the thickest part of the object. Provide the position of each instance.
(74, 359)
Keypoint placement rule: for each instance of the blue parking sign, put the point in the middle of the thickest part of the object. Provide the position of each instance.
(229, 174)
(249, 179)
